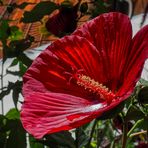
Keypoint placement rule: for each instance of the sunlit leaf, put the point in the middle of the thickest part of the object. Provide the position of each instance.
(16, 33)
(22, 68)
(13, 114)
(14, 62)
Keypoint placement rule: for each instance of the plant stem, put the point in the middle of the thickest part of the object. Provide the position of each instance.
(124, 136)
(138, 133)
(135, 125)
(2, 71)
(91, 134)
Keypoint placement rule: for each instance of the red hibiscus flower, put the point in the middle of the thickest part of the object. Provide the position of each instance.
(79, 77)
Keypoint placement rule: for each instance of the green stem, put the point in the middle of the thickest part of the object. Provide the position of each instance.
(91, 134)
(135, 125)
(2, 71)
(138, 133)
(124, 136)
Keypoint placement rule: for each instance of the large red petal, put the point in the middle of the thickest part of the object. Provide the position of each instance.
(111, 34)
(44, 113)
(54, 66)
(138, 53)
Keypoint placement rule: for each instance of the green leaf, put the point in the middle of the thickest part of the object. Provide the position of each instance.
(24, 59)
(4, 30)
(82, 138)
(144, 124)
(112, 113)
(15, 73)
(66, 4)
(1, 2)
(17, 136)
(143, 82)
(63, 138)
(13, 6)
(18, 46)
(34, 143)
(143, 95)
(10, 8)
(39, 11)
(84, 7)
(14, 62)
(3, 138)
(134, 114)
(15, 33)
(13, 114)
(23, 68)
(17, 88)
(23, 5)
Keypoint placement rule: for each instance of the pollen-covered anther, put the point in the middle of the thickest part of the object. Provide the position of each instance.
(92, 86)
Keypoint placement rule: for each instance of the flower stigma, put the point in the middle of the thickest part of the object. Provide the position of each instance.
(95, 87)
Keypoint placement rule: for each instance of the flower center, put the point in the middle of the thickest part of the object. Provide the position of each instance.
(95, 87)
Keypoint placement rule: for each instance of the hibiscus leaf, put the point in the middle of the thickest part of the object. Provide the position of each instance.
(23, 5)
(13, 114)
(143, 82)
(39, 11)
(16, 73)
(18, 46)
(25, 59)
(143, 95)
(3, 138)
(23, 68)
(14, 62)
(16, 91)
(15, 33)
(34, 143)
(81, 137)
(17, 135)
(63, 138)
(112, 113)
(4, 30)
(143, 124)
(84, 7)
(134, 114)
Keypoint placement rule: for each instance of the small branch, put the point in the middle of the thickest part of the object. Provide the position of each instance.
(124, 137)
(91, 134)
(2, 71)
(135, 125)
(137, 134)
